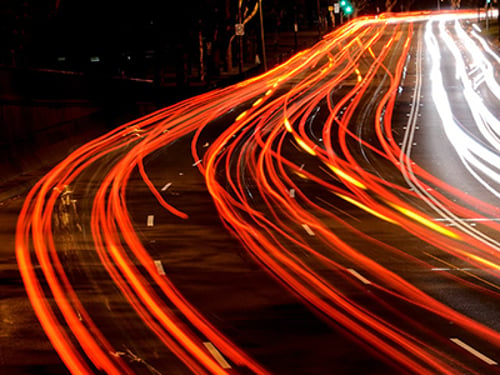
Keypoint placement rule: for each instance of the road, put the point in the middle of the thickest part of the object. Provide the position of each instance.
(338, 214)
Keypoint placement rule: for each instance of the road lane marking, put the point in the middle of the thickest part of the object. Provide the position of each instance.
(359, 277)
(292, 193)
(217, 355)
(333, 207)
(167, 185)
(479, 219)
(464, 270)
(159, 267)
(196, 163)
(473, 351)
(451, 269)
(151, 220)
(308, 229)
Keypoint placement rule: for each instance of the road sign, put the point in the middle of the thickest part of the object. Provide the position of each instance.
(336, 8)
(239, 29)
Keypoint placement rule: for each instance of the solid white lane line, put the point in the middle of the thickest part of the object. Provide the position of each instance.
(217, 355)
(452, 269)
(359, 277)
(479, 219)
(473, 351)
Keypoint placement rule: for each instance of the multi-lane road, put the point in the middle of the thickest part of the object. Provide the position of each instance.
(338, 214)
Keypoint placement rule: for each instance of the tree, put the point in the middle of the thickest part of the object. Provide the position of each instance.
(404, 5)
(361, 6)
(246, 11)
(390, 4)
(407, 4)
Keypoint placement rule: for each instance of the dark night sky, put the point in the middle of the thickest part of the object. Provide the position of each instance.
(111, 27)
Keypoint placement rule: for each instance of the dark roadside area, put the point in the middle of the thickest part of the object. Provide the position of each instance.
(47, 114)
(44, 116)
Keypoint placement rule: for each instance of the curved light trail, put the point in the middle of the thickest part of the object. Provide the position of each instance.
(300, 142)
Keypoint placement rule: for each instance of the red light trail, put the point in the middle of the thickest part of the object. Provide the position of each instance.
(288, 158)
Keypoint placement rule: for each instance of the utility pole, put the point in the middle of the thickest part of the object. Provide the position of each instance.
(487, 11)
(262, 39)
(240, 38)
(295, 26)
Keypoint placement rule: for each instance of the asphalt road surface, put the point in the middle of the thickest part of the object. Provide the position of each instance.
(336, 215)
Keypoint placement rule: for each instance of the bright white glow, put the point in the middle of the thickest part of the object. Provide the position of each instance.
(485, 66)
(486, 47)
(479, 156)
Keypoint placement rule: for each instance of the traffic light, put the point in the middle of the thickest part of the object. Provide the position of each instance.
(347, 7)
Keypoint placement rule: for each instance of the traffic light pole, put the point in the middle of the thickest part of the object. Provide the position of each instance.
(240, 40)
(347, 10)
(262, 40)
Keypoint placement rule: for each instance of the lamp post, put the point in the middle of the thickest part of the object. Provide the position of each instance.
(240, 39)
(295, 26)
(262, 39)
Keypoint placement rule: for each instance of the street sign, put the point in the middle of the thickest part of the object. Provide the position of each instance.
(336, 8)
(239, 29)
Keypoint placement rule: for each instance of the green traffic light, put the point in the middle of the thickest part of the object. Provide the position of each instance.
(343, 3)
(348, 10)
